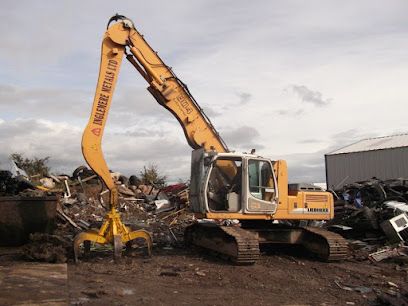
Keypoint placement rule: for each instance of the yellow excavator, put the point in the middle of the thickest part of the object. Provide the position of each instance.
(224, 185)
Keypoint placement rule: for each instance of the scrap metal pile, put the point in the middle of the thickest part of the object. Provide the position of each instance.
(141, 206)
(11, 185)
(373, 215)
(83, 202)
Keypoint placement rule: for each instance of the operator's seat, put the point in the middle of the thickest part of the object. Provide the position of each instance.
(234, 196)
(233, 201)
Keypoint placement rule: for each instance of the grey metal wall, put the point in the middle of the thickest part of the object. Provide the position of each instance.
(347, 168)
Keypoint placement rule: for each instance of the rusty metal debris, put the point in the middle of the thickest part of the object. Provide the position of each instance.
(11, 185)
(372, 214)
(82, 202)
(361, 289)
(388, 252)
(160, 211)
(398, 297)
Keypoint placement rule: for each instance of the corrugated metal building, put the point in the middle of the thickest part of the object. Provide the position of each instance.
(382, 157)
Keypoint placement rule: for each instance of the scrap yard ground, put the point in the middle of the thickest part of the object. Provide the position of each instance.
(42, 272)
(191, 279)
(187, 277)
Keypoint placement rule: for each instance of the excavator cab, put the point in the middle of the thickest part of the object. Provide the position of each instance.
(230, 183)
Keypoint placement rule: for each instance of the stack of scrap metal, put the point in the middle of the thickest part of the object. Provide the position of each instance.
(375, 212)
(80, 202)
(162, 211)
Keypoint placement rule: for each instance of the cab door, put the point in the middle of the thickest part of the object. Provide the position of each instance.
(197, 188)
(260, 188)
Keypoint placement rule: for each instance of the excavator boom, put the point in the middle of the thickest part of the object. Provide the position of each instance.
(164, 85)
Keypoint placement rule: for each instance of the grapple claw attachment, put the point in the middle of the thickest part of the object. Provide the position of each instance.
(113, 231)
(86, 238)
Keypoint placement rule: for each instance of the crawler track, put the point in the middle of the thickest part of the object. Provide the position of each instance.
(328, 246)
(239, 245)
(247, 245)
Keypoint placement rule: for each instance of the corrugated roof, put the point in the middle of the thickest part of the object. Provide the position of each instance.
(372, 144)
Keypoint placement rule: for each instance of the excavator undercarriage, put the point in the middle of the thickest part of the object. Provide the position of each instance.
(241, 245)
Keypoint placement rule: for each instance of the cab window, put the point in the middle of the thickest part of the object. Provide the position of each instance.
(224, 184)
(261, 182)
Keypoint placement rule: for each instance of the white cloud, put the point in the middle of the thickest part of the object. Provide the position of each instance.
(237, 58)
(41, 138)
(61, 141)
(243, 138)
(310, 96)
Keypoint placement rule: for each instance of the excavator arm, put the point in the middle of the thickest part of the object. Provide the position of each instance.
(169, 91)
(111, 59)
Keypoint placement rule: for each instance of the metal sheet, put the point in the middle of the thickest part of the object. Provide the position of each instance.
(348, 168)
(377, 143)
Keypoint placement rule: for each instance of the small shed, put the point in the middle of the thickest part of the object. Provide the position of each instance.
(381, 157)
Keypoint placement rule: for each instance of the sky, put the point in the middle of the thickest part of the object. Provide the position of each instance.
(293, 79)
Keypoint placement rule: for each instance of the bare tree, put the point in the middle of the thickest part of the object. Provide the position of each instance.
(151, 175)
(33, 166)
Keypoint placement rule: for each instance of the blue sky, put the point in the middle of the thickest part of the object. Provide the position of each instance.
(294, 79)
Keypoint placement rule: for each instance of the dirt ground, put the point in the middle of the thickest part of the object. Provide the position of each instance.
(188, 277)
